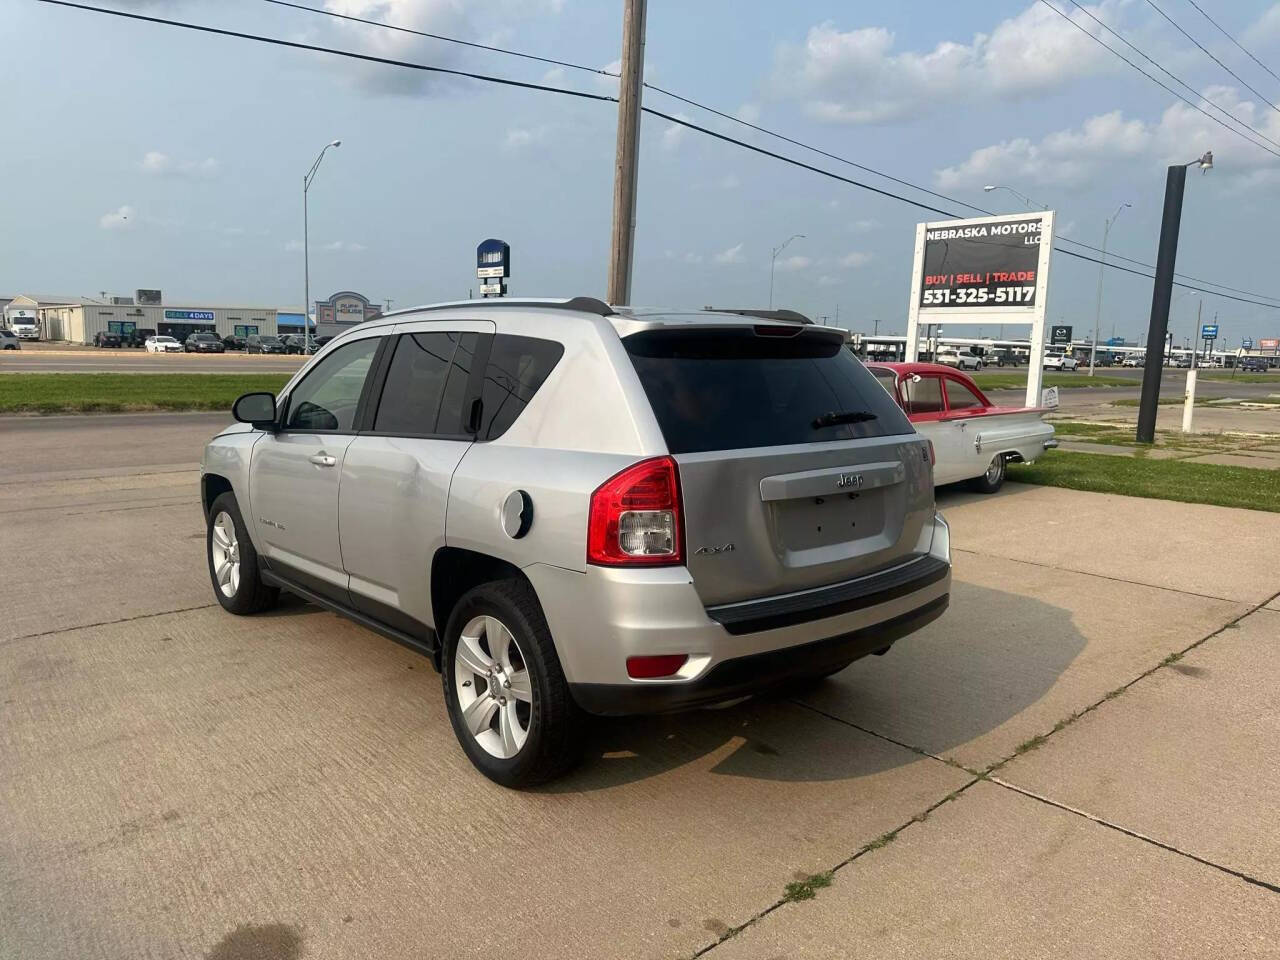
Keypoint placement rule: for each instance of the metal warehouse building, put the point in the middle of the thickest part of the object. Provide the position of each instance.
(80, 319)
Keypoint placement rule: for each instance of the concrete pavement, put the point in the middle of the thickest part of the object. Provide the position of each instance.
(182, 783)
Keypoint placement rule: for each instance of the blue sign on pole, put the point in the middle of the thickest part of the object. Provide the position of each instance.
(1115, 342)
(1248, 343)
(1209, 331)
(493, 266)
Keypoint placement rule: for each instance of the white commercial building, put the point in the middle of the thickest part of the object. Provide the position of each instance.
(78, 320)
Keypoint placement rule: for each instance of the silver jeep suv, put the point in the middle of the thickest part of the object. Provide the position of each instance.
(574, 508)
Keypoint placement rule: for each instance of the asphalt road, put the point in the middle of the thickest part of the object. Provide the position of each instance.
(176, 782)
(88, 360)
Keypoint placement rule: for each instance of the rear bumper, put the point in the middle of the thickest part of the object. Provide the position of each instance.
(601, 616)
(742, 676)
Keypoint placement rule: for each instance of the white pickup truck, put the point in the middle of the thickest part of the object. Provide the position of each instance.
(973, 439)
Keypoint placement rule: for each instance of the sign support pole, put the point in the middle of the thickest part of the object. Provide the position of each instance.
(913, 306)
(1035, 363)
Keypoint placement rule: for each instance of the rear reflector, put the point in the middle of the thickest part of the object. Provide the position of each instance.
(649, 668)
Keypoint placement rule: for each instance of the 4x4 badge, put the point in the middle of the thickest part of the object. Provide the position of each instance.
(711, 551)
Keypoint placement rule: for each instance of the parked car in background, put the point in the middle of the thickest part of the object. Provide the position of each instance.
(1253, 364)
(973, 439)
(233, 342)
(1001, 358)
(203, 343)
(1056, 360)
(575, 510)
(163, 344)
(9, 340)
(319, 342)
(105, 338)
(951, 357)
(293, 343)
(256, 343)
(1182, 362)
(24, 327)
(136, 337)
(1133, 360)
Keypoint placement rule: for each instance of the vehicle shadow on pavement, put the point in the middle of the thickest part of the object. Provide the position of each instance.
(992, 655)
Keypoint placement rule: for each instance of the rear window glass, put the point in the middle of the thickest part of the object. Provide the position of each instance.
(735, 388)
(960, 397)
(922, 394)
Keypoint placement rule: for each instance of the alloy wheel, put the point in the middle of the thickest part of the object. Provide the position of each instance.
(224, 549)
(494, 690)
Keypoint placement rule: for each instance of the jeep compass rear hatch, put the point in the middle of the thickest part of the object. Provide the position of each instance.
(797, 469)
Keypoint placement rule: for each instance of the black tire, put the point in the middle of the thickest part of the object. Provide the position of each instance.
(251, 595)
(556, 725)
(993, 479)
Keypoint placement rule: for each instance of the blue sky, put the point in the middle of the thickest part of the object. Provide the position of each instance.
(139, 155)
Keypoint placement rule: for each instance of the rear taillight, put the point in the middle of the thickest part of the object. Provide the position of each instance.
(634, 518)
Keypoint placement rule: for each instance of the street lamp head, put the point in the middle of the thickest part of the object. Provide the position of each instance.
(1206, 162)
(989, 187)
(336, 143)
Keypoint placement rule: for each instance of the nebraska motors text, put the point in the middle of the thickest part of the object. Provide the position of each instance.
(988, 230)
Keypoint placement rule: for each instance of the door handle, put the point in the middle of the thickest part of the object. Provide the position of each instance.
(324, 460)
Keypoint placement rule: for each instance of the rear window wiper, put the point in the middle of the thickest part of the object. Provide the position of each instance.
(848, 416)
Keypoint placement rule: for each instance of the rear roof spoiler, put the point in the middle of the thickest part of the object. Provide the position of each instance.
(790, 316)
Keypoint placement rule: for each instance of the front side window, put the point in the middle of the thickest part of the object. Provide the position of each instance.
(329, 395)
(410, 401)
(517, 367)
(922, 394)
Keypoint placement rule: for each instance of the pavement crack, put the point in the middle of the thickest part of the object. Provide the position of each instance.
(1091, 573)
(881, 841)
(105, 623)
(1238, 874)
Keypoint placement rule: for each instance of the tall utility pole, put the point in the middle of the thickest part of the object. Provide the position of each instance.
(626, 167)
(1097, 316)
(1161, 295)
(306, 248)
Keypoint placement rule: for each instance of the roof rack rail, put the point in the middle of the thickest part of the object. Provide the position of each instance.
(576, 304)
(789, 315)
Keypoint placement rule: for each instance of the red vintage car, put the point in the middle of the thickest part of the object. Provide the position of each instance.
(973, 438)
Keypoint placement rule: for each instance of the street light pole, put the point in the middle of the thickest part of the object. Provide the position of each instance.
(1097, 316)
(774, 260)
(1021, 196)
(306, 249)
(1161, 294)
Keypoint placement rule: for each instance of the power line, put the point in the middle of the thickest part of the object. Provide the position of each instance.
(438, 36)
(1233, 39)
(1157, 81)
(1194, 92)
(597, 97)
(759, 129)
(1209, 54)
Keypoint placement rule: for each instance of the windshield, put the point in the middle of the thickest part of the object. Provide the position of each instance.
(205, 336)
(736, 388)
(270, 339)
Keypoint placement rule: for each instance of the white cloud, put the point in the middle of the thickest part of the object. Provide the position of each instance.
(749, 112)
(792, 264)
(730, 181)
(1072, 156)
(344, 246)
(674, 134)
(693, 258)
(855, 259)
(857, 76)
(554, 76)
(121, 218)
(293, 246)
(826, 280)
(864, 226)
(161, 164)
(732, 255)
(518, 137)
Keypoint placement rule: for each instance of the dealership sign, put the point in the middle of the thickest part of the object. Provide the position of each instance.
(188, 314)
(984, 270)
(1269, 343)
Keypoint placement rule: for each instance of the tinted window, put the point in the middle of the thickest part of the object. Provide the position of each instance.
(329, 395)
(411, 397)
(923, 395)
(734, 388)
(887, 379)
(517, 368)
(452, 417)
(960, 397)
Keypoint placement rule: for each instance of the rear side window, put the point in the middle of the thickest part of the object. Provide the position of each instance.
(411, 397)
(738, 388)
(960, 397)
(517, 367)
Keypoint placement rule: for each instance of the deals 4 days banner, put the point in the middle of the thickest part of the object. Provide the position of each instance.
(981, 264)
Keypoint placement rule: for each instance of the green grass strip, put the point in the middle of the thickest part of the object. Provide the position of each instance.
(122, 392)
(1214, 484)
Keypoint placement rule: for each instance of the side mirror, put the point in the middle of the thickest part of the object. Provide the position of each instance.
(258, 409)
